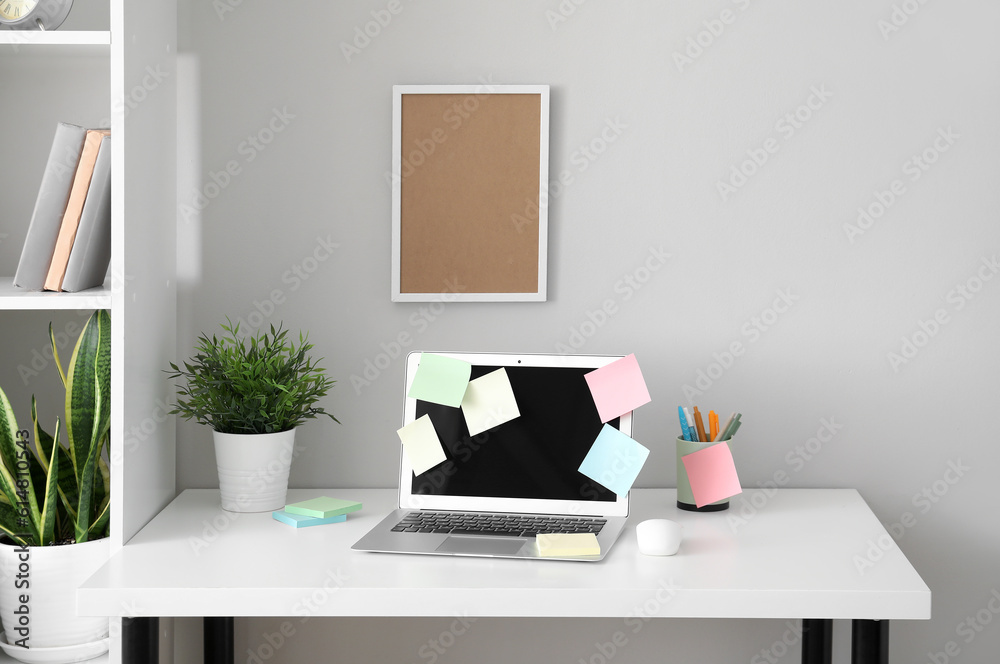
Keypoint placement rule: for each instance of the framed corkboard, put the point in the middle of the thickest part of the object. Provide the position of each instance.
(469, 192)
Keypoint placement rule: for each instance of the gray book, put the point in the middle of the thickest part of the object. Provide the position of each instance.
(91, 254)
(53, 193)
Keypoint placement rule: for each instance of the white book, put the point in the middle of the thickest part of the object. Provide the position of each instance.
(91, 254)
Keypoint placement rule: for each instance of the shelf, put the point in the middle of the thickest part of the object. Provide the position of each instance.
(54, 37)
(13, 299)
(101, 659)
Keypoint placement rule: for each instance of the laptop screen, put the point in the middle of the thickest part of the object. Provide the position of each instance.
(525, 463)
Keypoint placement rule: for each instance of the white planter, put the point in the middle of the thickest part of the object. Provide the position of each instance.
(53, 575)
(253, 469)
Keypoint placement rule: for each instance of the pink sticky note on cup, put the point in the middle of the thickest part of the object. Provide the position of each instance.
(618, 388)
(712, 474)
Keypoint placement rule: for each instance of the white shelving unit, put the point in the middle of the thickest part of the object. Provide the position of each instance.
(137, 38)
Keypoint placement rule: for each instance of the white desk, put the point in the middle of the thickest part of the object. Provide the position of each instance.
(797, 556)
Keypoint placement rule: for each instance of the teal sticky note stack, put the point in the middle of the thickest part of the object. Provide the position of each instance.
(302, 521)
(323, 507)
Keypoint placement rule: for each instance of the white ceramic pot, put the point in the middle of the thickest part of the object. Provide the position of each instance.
(253, 469)
(52, 573)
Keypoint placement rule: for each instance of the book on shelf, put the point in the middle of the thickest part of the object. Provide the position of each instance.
(53, 194)
(68, 245)
(91, 254)
(74, 208)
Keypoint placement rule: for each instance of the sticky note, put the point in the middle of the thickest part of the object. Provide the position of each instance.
(323, 507)
(421, 445)
(567, 544)
(489, 402)
(712, 474)
(614, 460)
(617, 388)
(440, 380)
(303, 521)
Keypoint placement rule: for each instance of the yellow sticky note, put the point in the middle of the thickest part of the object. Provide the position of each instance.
(557, 545)
(488, 402)
(421, 444)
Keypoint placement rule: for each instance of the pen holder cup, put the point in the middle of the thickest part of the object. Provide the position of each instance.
(685, 499)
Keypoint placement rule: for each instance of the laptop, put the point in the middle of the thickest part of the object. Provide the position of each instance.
(499, 488)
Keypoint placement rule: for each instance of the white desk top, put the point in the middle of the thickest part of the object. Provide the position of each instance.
(794, 558)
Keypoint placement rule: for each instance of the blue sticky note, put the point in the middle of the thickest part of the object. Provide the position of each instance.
(302, 521)
(614, 461)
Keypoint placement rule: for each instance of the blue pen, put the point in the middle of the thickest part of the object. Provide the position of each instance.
(684, 426)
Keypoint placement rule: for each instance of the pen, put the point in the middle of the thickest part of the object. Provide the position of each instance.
(699, 426)
(722, 432)
(733, 426)
(690, 423)
(713, 425)
(685, 432)
(736, 427)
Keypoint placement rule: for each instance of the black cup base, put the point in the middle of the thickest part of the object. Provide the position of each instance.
(707, 508)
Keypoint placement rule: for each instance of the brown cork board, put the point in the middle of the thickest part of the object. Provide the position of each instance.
(470, 167)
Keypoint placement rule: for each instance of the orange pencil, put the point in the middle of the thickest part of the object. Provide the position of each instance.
(713, 425)
(699, 425)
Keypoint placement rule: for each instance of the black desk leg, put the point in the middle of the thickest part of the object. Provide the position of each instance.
(218, 638)
(870, 642)
(140, 640)
(817, 641)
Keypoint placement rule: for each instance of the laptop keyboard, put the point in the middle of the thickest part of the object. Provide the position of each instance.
(496, 525)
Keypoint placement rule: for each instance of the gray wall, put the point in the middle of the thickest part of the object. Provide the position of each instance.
(880, 97)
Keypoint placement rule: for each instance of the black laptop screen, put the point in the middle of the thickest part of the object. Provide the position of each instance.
(534, 456)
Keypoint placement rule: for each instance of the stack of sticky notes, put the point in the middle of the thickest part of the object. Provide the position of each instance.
(560, 545)
(316, 512)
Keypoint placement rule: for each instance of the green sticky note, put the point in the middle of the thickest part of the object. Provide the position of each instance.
(440, 380)
(302, 521)
(323, 507)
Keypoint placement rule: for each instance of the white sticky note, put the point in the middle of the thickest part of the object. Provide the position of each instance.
(489, 402)
(421, 445)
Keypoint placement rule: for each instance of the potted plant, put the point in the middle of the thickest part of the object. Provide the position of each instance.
(253, 392)
(55, 509)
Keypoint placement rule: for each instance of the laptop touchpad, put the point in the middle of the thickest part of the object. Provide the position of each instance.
(483, 546)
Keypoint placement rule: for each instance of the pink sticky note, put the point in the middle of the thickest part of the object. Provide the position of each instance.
(712, 474)
(617, 388)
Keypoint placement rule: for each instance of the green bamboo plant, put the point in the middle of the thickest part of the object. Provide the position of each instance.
(52, 493)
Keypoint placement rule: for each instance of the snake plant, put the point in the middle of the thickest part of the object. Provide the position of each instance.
(51, 493)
